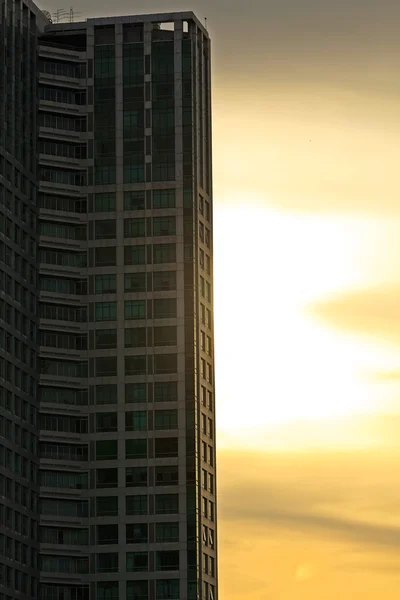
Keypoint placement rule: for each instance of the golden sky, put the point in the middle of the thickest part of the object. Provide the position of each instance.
(306, 103)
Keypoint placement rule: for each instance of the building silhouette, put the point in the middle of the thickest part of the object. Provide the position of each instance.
(107, 405)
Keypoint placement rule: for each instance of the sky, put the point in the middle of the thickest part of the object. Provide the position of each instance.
(306, 120)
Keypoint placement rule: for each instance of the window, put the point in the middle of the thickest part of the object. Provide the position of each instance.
(106, 284)
(135, 337)
(106, 478)
(167, 589)
(135, 392)
(134, 228)
(135, 309)
(107, 563)
(164, 253)
(164, 198)
(137, 561)
(137, 590)
(165, 363)
(105, 229)
(136, 420)
(106, 422)
(105, 257)
(164, 226)
(166, 447)
(106, 450)
(167, 532)
(165, 336)
(105, 202)
(136, 476)
(107, 506)
(135, 255)
(167, 560)
(135, 365)
(107, 534)
(167, 504)
(165, 391)
(106, 311)
(136, 448)
(165, 308)
(106, 366)
(134, 200)
(105, 590)
(165, 419)
(105, 338)
(164, 281)
(136, 505)
(135, 282)
(136, 533)
(106, 394)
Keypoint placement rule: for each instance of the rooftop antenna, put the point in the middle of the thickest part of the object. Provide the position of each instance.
(73, 15)
(205, 23)
(59, 15)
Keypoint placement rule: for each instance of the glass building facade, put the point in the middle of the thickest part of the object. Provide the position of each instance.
(107, 412)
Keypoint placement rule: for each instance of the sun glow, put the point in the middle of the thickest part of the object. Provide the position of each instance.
(288, 366)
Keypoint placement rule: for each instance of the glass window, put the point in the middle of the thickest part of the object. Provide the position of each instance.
(164, 198)
(106, 284)
(164, 280)
(167, 532)
(136, 476)
(105, 338)
(136, 420)
(107, 506)
(167, 560)
(106, 257)
(134, 200)
(134, 228)
(106, 311)
(135, 392)
(136, 448)
(107, 534)
(166, 475)
(165, 336)
(106, 450)
(136, 533)
(164, 253)
(167, 589)
(135, 337)
(106, 394)
(105, 202)
(106, 478)
(136, 505)
(165, 419)
(164, 226)
(165, 363)
(136, 365)
(106, 366)
(135, 309)
(166, 447)
(105, 229)
(106, 590)
(135, 282)
(107, 562)
(165, 391)
(164, 308)
(106, 422)
(167, 504)
(135, 255)
(137, 561)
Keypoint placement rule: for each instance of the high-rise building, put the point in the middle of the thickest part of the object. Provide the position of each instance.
(107, 406)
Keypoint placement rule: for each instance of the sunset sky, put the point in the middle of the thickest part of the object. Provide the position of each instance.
(306, 97)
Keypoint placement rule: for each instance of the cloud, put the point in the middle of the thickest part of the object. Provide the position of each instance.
(334, 495)
(367, 312)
